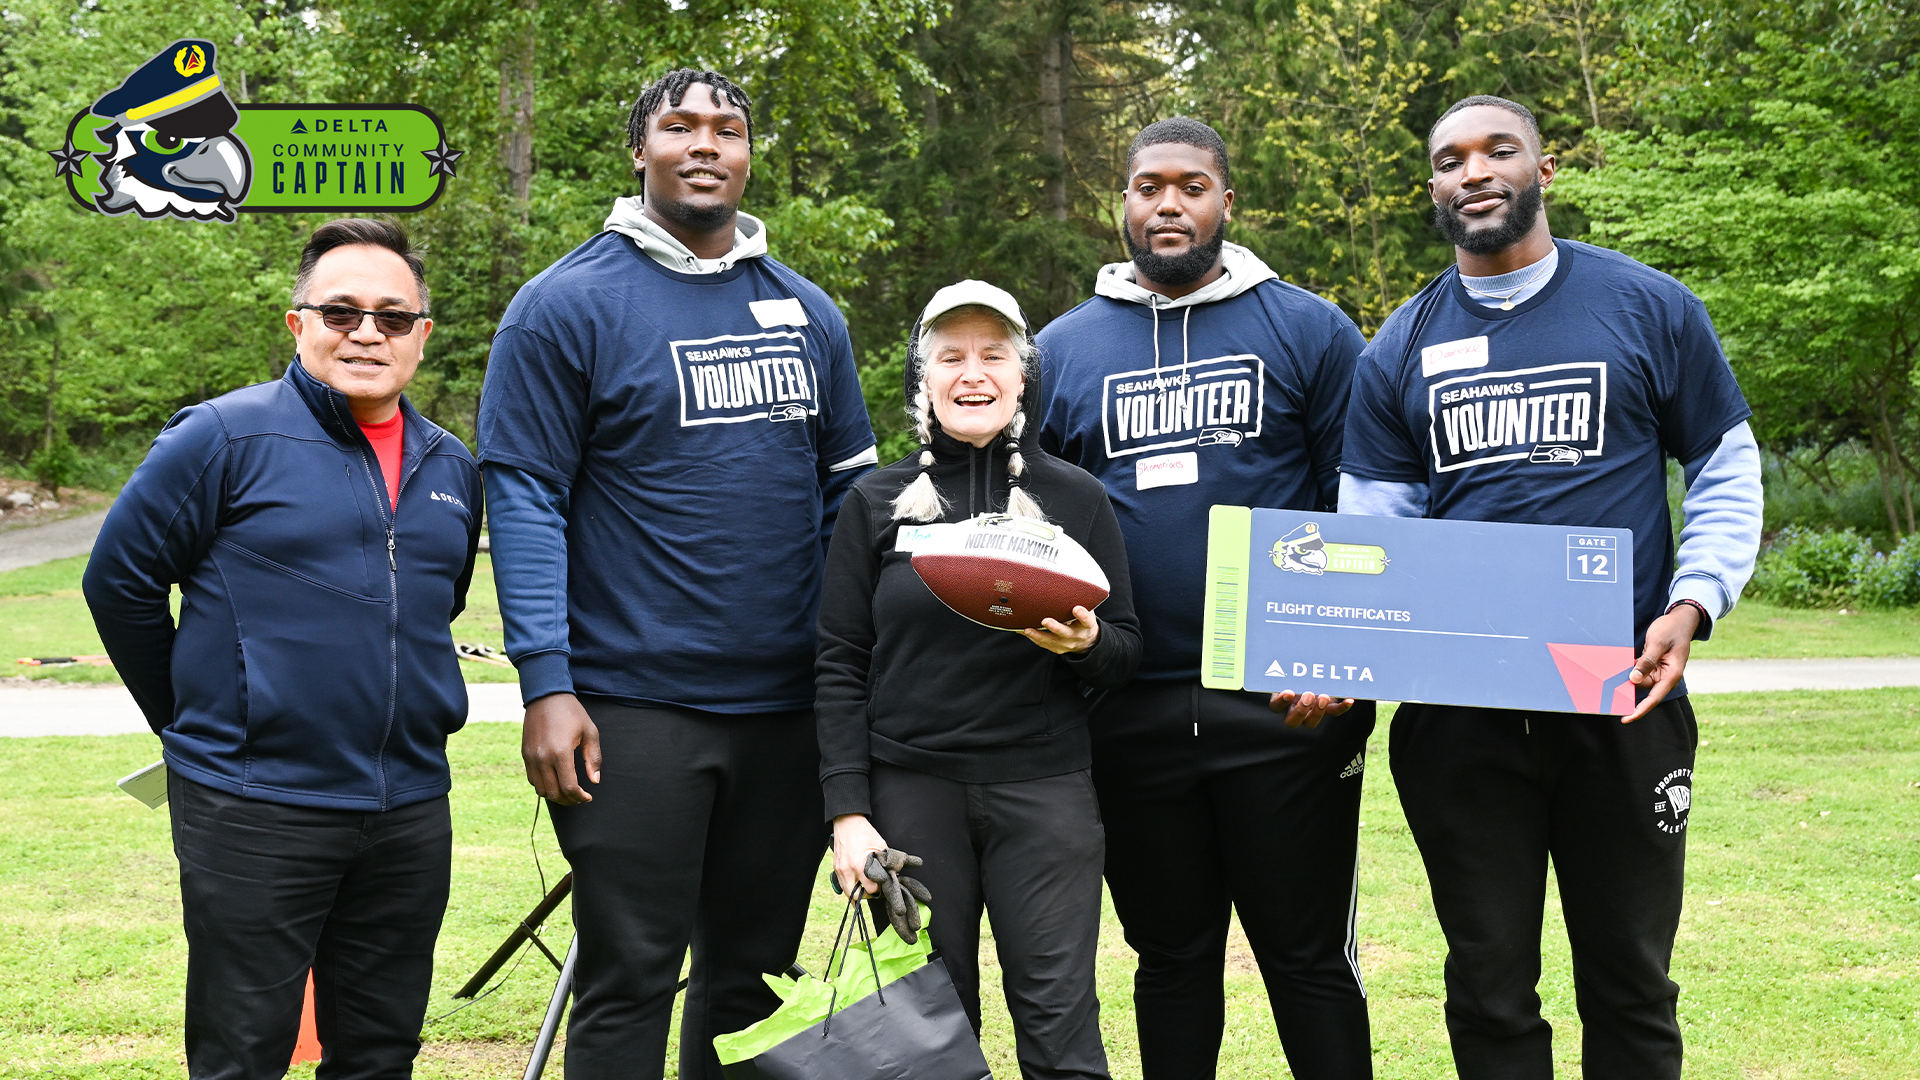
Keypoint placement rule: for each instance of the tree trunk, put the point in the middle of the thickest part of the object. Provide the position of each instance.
(1901, 468)
(53, 391)
(516, 105)
(1883, 461)
(1055, 53)
(1581, 34)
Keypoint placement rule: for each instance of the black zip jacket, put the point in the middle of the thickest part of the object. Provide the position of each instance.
(313, 664)
(904, 679)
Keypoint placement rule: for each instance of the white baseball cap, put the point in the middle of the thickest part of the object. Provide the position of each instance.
(970, 291)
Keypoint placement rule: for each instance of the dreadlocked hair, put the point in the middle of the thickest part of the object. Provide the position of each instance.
(671, 89)
(921, 500)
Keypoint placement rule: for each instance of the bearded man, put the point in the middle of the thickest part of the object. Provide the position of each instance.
(1196, 376)
(1617, 369)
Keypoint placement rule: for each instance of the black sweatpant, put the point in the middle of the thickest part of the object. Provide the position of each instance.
(704, 830)
(1029, 851)
(1490, 796)
(1247, 815)
(268, 891)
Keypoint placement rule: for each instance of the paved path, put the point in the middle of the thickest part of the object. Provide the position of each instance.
(107, 710)
(1734, 676)
(32, 545)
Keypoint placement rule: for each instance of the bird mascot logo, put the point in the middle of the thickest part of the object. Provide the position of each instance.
(169, 142)
(1302, 551)
(171, 147)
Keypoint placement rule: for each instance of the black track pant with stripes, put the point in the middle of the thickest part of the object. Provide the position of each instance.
(1245, 816)
(1491, 795)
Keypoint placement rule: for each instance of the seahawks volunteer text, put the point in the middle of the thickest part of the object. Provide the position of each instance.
(1550, 415)
(1216, 402)
(737, 378)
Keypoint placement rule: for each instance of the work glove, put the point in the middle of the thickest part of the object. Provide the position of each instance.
(903, 894)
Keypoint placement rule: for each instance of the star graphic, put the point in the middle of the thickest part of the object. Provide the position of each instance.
(68, 159)
(442, 159)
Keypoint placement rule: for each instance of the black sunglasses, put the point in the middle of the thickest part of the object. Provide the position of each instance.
(348, 319)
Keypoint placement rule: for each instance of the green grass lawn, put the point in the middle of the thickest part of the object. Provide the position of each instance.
(43, 614)
(1799, 953)
(1754, 630)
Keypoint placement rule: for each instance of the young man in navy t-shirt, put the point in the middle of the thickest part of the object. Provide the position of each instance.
(669, 422)
(1196, 376)
(1548, 382)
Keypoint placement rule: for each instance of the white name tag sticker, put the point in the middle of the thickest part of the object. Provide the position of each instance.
(786, 312)
(1166, 470)
(1453, 356)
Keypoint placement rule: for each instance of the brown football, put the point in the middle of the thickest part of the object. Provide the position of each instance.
(1006, 572)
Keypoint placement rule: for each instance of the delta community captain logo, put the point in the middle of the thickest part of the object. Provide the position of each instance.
(1305, 551)
(1672, 799)
(169, 142)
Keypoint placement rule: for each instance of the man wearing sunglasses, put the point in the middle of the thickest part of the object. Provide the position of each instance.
(322, 534)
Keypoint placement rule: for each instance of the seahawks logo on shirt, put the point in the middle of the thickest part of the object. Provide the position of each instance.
(735, 378)
(1214, 402)
(1553, 415)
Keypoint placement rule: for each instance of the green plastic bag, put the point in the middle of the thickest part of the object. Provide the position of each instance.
(804, 1002)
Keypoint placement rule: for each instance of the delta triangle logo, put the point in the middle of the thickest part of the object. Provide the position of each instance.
(1596, 676)
(1275, 669)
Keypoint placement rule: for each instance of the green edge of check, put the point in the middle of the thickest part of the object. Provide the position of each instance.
(1229, 553)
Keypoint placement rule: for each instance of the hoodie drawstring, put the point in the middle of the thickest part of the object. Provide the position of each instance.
(1186, 349)
(1153, 305)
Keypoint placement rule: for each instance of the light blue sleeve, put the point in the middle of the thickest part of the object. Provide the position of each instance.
(1720, 537)
(1381, 498)
(527, 536)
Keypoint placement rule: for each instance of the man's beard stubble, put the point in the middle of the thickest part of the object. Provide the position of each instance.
(694, 218)
(700, 219)
(1518, 223)
(1182, 269)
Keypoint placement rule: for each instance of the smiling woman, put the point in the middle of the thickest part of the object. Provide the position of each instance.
(962, 741)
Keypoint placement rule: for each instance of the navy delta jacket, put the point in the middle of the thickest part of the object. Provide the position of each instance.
(313, 664)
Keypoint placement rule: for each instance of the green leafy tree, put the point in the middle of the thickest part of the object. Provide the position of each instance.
(1772, 184)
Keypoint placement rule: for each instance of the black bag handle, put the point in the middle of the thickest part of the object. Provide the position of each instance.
(858, 912)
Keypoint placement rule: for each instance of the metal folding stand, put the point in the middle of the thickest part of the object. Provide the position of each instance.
(528, 930)
(556, 1008)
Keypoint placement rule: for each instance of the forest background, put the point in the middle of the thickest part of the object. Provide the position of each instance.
(1761, 152)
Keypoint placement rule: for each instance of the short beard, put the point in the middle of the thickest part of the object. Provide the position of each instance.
(1518, 223)
(1183, 269)
(699, 219)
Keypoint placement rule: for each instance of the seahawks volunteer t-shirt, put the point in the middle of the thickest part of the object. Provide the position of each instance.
(693, 418)
(1242, 403)
(1561, 411)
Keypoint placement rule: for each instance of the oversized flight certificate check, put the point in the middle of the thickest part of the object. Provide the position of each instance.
(1417, 609)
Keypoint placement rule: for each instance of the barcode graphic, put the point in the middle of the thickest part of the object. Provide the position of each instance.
(1226, 623)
